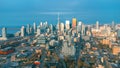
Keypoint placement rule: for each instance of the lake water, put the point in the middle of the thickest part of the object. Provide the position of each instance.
(11, 29)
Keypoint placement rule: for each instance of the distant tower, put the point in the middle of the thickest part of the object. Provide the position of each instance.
(23, 31)
(4, 32)
(28, 29)
(79, 26)
(31, 30)
(62, 27)
(74, 23)
(34, 27)
(105, 26)
(83, 29)
(97, 25)
(51, 28)
(41, 24)
(58, 25)
(113, 25)
(67, 25)
(38, 30)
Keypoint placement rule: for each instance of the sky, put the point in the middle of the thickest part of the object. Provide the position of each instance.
(22, 12)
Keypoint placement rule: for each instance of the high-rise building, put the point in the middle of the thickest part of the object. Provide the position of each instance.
(113, 26)
(67, 25)
(4, 32)
(51, 28)
(38, 30)
(46, 24)
(34, 27)
(41, 24)
(62, 27)
(97, 25)
(74, 23)
(28, 29)
(79, 26)
(31, 30)
(106, 26)
(83, 29)
(58, 25)
(23, 33)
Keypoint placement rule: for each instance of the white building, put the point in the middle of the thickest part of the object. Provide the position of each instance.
(34, 27)
(67, 25)
(83, 29)
(62, 27)
(28, 29)
(79, 26)
(4, 34)
(38, 30)
(22, 31)
(97, 25)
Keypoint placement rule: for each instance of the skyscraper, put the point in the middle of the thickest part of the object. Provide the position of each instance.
(62, 27)
(23, 31)
(41, 24)
(83, 29)
(51, 28)
(67, 25)
(31, 30)
(28, 29)
(58, 25)
(79, 26)
(113, 26)
(4, 32)
(74, 23)
(34, 27)
(97, 25)
(38, 30)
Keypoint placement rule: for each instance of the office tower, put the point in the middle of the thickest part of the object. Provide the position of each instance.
(74, 23)
(51, 28)
(46, 24)
(62, 27)
(58, 25)
(67, 25)
(79, 26)
(4, 32)
(34, 27)
(48, 30)
(31, 30)
(97, 25)
(83, 29)
(38, 30)
(40, 24)
(113, 26)
(23, 33)
(105, 26)
(28, 29)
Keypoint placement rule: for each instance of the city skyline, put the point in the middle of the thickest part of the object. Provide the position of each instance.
(59, 34)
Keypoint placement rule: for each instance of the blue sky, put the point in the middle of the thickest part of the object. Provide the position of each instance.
(21, 12)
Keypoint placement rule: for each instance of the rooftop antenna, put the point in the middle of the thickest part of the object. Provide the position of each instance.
(58, 17)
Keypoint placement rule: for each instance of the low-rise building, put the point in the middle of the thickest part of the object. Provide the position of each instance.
(116, 50)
